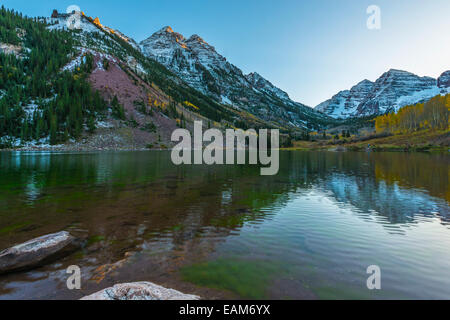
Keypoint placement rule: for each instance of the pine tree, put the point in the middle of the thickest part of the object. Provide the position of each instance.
(91, 124)
(53, 130)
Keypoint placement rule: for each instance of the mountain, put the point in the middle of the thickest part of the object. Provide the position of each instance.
(90, 87)
(203, 68)
(393, 90)
(71, 83)
(85, 24)
(346, 102)
(261, 84)
(444, 80)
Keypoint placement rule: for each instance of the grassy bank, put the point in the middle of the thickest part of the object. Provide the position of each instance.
(438, 141)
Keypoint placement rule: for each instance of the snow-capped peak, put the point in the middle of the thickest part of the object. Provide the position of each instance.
(391, 91)
(65, 21)
(203, 68)
(444, 80)
(260, 83)
(196, 38)
(167, 29)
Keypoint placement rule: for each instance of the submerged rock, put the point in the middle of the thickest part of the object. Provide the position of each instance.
(36, 252)
(139, 291)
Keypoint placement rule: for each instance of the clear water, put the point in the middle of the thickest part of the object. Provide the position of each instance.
(226, 232)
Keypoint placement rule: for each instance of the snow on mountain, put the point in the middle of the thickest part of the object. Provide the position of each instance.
(81, 58)
(96, 39)
(393, 90)
(444, 80)
(203, 68)
(261, 84)
(65, 22)
(199, 65)
(345, 103)
(80, 21)
(194, 60)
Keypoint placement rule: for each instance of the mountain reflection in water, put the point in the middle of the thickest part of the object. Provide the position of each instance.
(225, 231)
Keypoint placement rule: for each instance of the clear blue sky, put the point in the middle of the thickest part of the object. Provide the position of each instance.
(310, 49)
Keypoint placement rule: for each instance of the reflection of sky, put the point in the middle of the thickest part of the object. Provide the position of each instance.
(34, 163)
(321, 224)
(32, 190)
(36, 160)
(227, 197)
(357, 188)
(329, 243)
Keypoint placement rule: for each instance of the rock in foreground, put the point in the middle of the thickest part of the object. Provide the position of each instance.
(35, 252)
(139, 291)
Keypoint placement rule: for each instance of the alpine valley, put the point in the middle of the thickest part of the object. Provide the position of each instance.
(98, 203)
(69, 82)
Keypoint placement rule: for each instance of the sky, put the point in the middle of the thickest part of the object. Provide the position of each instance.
(310, 49)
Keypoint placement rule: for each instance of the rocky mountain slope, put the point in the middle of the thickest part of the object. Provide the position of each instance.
(91, 87)
(203, 68)
(444, 80)
(393, 90)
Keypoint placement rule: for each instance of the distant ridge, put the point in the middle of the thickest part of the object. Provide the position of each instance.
(393, 90)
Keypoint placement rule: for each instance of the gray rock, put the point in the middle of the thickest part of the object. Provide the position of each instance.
(36, 252)
(139, 291)
(444, 80)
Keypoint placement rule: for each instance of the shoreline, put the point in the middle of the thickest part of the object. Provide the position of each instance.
(421, 141)
(345, 148)
(319, 149)
(327, 148)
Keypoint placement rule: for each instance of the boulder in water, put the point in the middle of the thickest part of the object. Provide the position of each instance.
(139, 291)
(36, 252)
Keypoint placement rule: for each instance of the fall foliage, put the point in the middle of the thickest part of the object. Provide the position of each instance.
(433, 114)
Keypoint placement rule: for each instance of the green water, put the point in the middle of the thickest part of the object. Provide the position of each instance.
(309, 232)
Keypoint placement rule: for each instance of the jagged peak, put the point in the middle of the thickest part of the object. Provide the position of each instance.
(254, 75)
(400, 73)
(392, 70)
(167, 29)
(365, 81)
(166, 34)
(444, 79)
(97, 21)
(196, 38)
(259, 81)
(396, 73)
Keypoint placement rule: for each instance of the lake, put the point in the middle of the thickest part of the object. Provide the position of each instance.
(309, 232)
